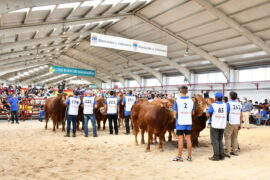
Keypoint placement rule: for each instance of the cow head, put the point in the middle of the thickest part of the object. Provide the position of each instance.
(200, 105)
(63, 97)
(100, 105)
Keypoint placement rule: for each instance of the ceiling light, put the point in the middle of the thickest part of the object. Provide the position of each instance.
(91, 3)
(20, 10)
(42, 8)
(69, 5)
(187, 52)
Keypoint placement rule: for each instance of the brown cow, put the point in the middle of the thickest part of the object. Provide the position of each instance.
(198, 119)
(155, 120)
(169, 103)
(121, 116)
(55, 108)
(136, 108)
(100, 112)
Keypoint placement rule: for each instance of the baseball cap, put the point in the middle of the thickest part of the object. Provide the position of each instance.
(218, 95)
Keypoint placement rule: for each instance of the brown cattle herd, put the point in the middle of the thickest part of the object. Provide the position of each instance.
(155, 118)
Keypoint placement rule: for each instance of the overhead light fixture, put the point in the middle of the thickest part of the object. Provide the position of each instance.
(187, 52)
(64, 32)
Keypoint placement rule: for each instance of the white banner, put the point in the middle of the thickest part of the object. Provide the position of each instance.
(120, 43)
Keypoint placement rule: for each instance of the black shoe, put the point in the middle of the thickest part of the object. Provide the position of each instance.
(234, 154)
(126, 133)
(227, 155)
(12, 122)
(221, 158)
(17, 122)
(95, 135)
(67, 135)
(85, 135)
(74, 135)
(213, 158)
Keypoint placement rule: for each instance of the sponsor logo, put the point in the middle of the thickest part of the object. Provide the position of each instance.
(51, 69)
(135, 44)
(94, 39)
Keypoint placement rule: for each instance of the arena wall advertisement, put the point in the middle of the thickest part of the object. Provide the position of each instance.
(72, 71)
(120, 43)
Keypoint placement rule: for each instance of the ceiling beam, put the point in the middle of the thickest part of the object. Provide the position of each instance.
(18, 68)
(214, 60)
(48, 25)
(136, 77)
(88, 57)
(132, 62)
(34, 50)
(43, 40)
(12, 5)
(234, 24)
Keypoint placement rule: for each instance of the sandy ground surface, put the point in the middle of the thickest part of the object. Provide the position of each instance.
(28, 151)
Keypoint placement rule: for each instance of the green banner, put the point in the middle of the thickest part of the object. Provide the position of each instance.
(72, 71)
(93, 86)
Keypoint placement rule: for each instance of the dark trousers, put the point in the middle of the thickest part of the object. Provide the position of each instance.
(217, 142)
(127, 124)
(14, 115)
(73, 119)
(113, 119)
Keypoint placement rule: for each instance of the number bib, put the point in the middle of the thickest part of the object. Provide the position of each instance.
(219, 116)
(88, 103)
(235, 113)
(185, 107)
(74, 104)
(112, 105)
(130, 100)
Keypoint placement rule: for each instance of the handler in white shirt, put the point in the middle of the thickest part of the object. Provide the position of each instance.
(89, 103)
(72, 115)
(218, 115)
(233, 125)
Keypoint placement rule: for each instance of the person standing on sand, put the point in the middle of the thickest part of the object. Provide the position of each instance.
(14, 107)
(73, 109)
(247, 107)
(89, 103)
(233, 126)
(128, 101)
(218, 114)
(183, 110)
(111, 105)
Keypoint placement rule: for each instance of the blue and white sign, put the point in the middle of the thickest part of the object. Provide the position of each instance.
(72, 71)
(120, 43)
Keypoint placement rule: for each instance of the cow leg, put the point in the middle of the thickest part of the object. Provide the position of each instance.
(98, 124)
(142, 133)
(170, 135)
(63, 125)
(160, 143)
(46, 123)
(135, 132)
(155, 139)
(104, 123)
(54, 124)
(150, 138)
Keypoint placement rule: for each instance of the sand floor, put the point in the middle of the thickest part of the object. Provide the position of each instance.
(28, 151)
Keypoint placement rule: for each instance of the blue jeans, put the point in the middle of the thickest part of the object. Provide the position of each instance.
(258, 121)
(93, 121)
(73, 119)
